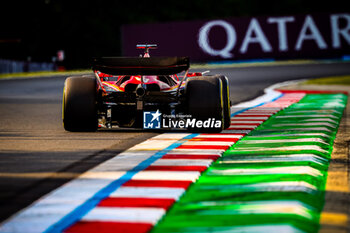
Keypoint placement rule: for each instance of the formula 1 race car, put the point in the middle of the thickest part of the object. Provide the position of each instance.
(138, 91)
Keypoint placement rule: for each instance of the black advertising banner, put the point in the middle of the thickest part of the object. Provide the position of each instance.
(276, 37)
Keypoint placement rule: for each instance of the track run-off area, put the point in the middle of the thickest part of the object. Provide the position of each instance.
(267, 172)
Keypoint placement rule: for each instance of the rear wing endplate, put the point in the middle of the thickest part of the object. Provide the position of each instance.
(141, 65)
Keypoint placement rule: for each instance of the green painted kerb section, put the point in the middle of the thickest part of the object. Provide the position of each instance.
(272, 180)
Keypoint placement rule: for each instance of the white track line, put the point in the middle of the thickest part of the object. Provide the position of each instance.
(122, 214)
(148, 192)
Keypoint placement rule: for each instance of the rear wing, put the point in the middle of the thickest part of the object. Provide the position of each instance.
(141, 65)
(146, 46)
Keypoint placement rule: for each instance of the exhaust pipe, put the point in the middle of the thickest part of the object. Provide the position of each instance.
(140, 91)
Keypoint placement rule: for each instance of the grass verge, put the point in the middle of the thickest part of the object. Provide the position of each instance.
(333, 80)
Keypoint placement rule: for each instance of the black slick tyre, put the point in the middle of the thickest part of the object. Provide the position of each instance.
(204, 101)
(79, 109)
(226, 100)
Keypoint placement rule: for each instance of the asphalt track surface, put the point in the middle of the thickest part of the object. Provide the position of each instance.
(37, 155)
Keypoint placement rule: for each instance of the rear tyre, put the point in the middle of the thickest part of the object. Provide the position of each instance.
(226, 100)
(204, 101)
(79, 110)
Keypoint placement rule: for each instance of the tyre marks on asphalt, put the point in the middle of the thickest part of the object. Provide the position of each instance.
(273, 179)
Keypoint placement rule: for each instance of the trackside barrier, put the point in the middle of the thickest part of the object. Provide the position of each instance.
(10, 66)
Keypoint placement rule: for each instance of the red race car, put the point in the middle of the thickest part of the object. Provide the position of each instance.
(146, 92)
